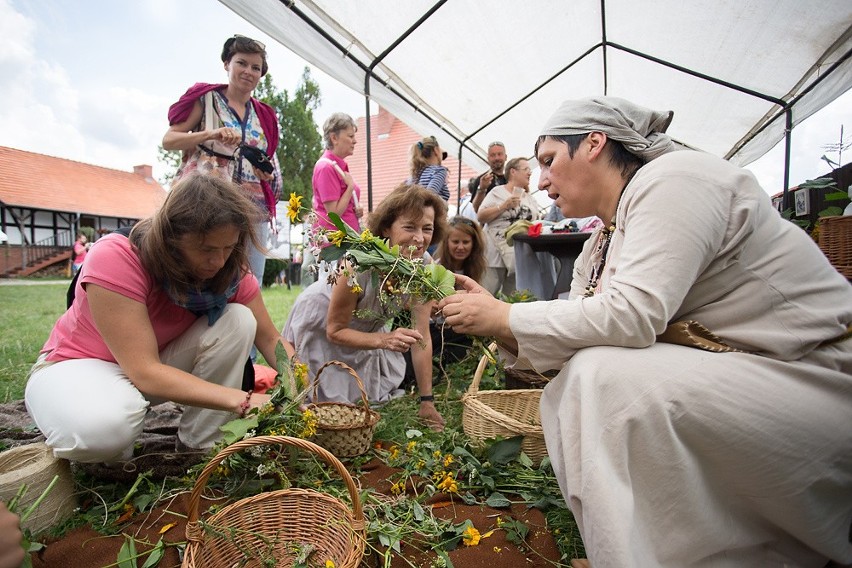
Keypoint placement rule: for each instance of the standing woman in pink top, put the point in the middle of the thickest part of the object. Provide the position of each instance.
(168, 313)
(334, 189)
(80, 248)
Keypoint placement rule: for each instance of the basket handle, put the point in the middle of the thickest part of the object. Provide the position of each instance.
(352, 372)
(192, 532)
(480, 369)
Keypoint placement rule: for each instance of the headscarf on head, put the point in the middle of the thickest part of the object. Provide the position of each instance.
(639, 129)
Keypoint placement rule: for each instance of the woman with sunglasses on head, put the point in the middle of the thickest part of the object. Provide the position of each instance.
(463, 252)
(222, 130)
(426, 168)
(346, 320)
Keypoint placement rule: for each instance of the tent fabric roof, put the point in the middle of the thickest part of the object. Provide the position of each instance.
(37, 181)
(495, 70)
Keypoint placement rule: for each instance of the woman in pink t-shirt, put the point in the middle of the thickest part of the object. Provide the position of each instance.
(334, 189)
(81, 248)
(166, 314)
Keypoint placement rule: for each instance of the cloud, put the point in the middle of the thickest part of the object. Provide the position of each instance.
(16, 31)
(38, 104)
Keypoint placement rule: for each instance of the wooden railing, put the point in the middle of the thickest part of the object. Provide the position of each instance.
(17, 258)
(45, 248)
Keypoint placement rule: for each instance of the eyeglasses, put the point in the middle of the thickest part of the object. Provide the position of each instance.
(496, 144)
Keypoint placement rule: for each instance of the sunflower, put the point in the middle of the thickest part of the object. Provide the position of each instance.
(294, 207)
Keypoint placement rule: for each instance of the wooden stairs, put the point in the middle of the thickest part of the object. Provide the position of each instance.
(60, 255)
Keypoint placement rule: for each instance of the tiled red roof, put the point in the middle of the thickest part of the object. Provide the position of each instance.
(43, 182)
(391, 143)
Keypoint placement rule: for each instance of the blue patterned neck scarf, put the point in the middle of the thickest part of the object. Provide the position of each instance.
(204, 302)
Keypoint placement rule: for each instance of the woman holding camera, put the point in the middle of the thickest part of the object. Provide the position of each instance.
(221, 129)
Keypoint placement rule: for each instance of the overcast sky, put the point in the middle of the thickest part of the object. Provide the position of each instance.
(92, 80)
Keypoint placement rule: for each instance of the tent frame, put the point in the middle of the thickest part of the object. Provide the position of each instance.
(786, 107)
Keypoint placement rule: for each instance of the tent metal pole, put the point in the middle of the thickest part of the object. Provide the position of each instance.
(603, 48)
(346, 54)
(790, 104)
(788, 144)
(367, 133)
(369, 74)
(709, 78)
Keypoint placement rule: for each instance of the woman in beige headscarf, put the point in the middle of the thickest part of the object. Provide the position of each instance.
(729, 447)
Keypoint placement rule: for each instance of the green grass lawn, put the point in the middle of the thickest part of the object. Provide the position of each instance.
(30, 310)
(28, 315)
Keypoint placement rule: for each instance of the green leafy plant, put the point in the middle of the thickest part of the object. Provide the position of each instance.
(27, 542)
(835, 196)
(395, 274)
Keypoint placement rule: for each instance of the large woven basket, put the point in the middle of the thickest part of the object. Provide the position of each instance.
(835, 240)
(33, 465)
(346, 430)
(273, 526)
(505, 413)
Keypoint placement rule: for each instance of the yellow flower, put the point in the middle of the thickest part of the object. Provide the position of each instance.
(398, 488)
(300, 375)
(309, 424)
(366, 235)
(329, 564)
(336, 237)
(410, 446)
(448, 459)
(266, 409)
(356, 289)
(294, 206)
(470, 537)
(449, 484)
(497, 549)
(394, 452)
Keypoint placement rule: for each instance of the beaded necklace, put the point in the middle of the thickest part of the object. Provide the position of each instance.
(606, 234)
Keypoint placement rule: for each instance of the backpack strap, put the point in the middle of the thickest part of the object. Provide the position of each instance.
(72, 288)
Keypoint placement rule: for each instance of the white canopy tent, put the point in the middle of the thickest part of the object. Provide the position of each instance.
(739, 75)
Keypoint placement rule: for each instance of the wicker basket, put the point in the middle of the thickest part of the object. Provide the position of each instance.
(516, 379)
(835, 240)
(33, 465)
(345, 430)
(505, 413)
(270, 526)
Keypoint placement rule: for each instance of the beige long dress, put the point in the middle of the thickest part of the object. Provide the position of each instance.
(673, 456)
(380, 370)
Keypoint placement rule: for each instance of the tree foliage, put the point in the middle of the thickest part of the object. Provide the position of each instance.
(299, 143)
(170, 159)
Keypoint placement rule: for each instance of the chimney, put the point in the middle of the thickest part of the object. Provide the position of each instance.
(384, 121)
(144, 171)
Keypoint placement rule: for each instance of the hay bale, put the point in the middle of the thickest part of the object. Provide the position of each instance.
(33, 465)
